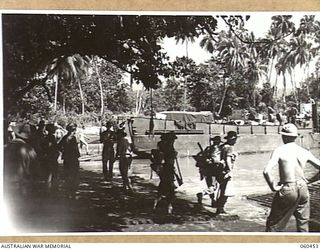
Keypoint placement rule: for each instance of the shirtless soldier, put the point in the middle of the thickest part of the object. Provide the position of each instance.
(292, 195)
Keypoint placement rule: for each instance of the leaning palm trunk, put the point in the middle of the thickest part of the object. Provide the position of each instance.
(254, 96)
(140, 103)
(56, 81)
(293, 87)
(137, 102)
(275, 93)
(284, 88)
(101, 96)
(295, 79)
(81, 96)
(101, 89)
(64, 104)
(224, 95)
(271, 67)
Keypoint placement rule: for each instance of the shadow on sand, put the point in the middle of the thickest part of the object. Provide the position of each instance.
(101, 206)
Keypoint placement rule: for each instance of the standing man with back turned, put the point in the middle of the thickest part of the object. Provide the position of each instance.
(108, 138)
(292, 195)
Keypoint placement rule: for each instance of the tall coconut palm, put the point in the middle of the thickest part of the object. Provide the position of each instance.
(231, 53)
(298, 52)
(95, 63)
(281, 27)
(284, 66)
(301, 53)
(272, 51)
(70, 69)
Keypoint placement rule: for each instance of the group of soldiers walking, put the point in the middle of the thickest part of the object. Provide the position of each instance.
(32, 153)
(32, 157)
(217, 163)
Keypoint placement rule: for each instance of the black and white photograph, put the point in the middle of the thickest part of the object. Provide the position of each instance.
(153, 122)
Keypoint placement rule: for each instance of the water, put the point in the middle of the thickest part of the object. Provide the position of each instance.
(248, 175)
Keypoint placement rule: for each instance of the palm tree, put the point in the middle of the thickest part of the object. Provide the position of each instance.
(301, 54)
(272, 51)
(70, 69)
(281, 27)
(230, 52)
(282, 68)
(208, 44)
(95, 62)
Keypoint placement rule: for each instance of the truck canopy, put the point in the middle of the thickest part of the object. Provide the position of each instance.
(187, 117)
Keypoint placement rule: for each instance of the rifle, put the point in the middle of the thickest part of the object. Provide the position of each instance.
(201, 149)
(178, 177)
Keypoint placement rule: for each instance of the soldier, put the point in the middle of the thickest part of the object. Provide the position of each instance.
(21, 164)
(70, 155)
(108, 139)
(167, 173)
(83, 139)
(20, 168)
(60, 132)
(51, 157)
(213, 166)
(125, 158)
(228, 155)
(39, 145)
(292, 195)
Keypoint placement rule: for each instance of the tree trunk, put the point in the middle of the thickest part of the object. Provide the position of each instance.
(151, 122)
(140, 102)
(293, 87)
(137, 101)
(56, 80)
(284, 88)
(101, 96)
(64, 104)
(276, 87)
(101, 89)
(81, 96)
(271, 67)
(294, 78)
(224, 95)
(305, 72)
(131, 78)
(185, 94)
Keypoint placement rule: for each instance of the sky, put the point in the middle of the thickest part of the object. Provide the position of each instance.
(258, 23)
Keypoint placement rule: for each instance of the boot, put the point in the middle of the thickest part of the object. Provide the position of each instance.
(214, 202)
(199, 196)
(220, 210)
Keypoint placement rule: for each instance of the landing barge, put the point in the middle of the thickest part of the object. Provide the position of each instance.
(194, 127)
